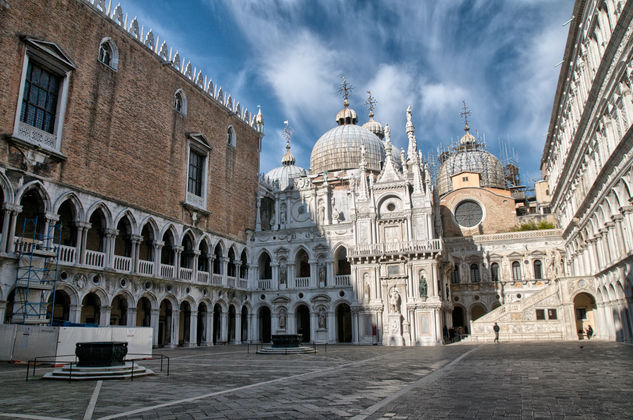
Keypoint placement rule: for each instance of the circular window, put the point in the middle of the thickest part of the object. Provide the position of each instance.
(123, 282)
(300, 295)
(187, 290)
(63, 275)
(341, 293)
(456, 298)
(169, 288)
(391, 207)
(96, 279)
(476, 297)
(263, 297)
(468, 213)
(148, 285)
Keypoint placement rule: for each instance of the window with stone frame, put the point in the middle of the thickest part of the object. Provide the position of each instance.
(538, 269)
(494, 271)
(108, 53)
(43, 94)
(516, 271)
(197, 168)
(180, 102)
(474, 273)
(455, 275)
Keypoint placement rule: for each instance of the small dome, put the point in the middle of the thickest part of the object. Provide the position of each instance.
(346, 115)
(374, 126)
(470, 156)
(282, 175)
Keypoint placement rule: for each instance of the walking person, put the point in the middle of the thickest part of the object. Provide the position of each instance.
(589, 332)
(496, 330)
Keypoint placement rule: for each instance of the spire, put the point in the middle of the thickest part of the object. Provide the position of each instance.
(363, 193)
(371, 103)
(288, 159)
(259, 120)
(345, 115)
(465, 114)
(387, 133)
(345, 89)
(467, 139)
(413, 147)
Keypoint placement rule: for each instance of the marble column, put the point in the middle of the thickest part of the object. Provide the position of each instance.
(193, 328)
(238, 327)
(154, 324)
(175, 327)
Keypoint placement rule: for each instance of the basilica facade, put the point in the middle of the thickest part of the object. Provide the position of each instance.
(130, 186)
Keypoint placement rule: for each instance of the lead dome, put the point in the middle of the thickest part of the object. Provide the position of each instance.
(340, 147)
(471, 156)
(283, 175)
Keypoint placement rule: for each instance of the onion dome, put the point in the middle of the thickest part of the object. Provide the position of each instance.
(374, 126)
(340, 148)
(470, 156)
(282, 175)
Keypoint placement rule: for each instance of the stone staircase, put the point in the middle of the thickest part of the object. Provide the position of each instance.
(517, 320)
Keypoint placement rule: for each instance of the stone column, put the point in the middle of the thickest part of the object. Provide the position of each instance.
(194, 268)
(154, 324)
(82, 237)
(175, 327)
(158, 247)
(314, 321)
(3, 310)
(6, 222)
(252, 319)
(14, 209)
(104, 316)
(75, 314)
(224, 269)
(50, 219)
(275, 280)
(137, 240)
(108, 248)
(330, 280)
(331, 327)
(131, 316)
(314, 273)
(177, 254)
(209, 327)
(193, 329)
(238, 327)
(355, 338)
(224, 327)
(258, 220)
(619, 233)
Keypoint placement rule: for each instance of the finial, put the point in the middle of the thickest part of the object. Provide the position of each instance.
(371, 103)
(387, 133)
(465, 114)
(345, 89)
(287, 133)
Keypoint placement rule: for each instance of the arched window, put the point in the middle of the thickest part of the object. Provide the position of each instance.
(538, 269)
(494, 271)
(343, 266)
(455, 275)
(230, 136)
(108, 53)
(474, 273)
(516, 271)
(180, 102)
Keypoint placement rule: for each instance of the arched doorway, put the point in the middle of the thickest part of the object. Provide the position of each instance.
(143, 313)
(184, 323)
(90, 309)
(61, 311)
(584, 306)
(217, 324)
(264, 324)
(303, 322)
(244, 332)
(118, 311)
(344, 323)
(231, 337)
(164, 323)
(477, 311)
(458, 317)
(201, 330)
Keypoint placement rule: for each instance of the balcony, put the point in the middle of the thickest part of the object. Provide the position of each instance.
(230, 281)
(146, 267)
(342, 280)
(242, 284)
(302, 282)
(122, 264)
(407, 247)
(216, 279)
(95, 259)
(264, 284)
(167, 271)
(186, 273)
(67, 254)
(203, 277)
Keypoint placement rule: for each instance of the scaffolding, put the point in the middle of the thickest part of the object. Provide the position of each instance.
(36, 273)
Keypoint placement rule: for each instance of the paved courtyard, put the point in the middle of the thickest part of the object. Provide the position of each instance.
(549, 380)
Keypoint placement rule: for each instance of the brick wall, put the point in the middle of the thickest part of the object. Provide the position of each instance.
(122, 137)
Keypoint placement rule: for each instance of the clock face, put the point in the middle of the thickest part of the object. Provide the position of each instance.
(468, 213)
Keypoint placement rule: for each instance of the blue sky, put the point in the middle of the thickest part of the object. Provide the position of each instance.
(500, 57)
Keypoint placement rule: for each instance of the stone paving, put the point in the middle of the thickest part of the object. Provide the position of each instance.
(535, 380)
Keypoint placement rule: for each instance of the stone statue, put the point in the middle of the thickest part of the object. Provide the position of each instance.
(394, 300)
(282, 320)
(387, 132)
(283, 214)
(322, 275)
(322, 318)
(282, 274)
(423, 287)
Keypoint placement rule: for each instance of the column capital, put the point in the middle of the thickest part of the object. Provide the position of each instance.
(158, 244)
(15, 208)
(83, 225)
(111, 232)
(137, 239)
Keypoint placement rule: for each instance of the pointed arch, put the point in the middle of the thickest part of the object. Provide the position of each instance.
(7, 189)
(127, 213)
(71, 197)
(38, 188)
(151, 223)
(100, 205)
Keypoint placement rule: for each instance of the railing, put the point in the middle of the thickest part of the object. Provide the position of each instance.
(26, 245)
(146, 267)
(95, 258)
(302, 282)
(342, 280)
(242, 284)
(264, 284)
(167, 271)
(217, 279)
(427, 246)
(230, 281)
(186, 273)
(203, 277)
(67, 254)
(122, 263)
